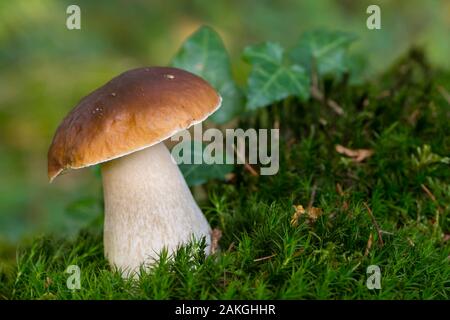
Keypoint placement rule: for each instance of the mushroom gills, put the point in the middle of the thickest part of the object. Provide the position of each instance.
(148, 207)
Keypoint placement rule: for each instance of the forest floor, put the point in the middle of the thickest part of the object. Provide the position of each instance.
(370, 187)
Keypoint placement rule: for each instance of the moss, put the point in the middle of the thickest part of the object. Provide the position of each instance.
(262, 254)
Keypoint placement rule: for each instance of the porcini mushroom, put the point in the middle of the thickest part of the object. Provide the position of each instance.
(122, 125)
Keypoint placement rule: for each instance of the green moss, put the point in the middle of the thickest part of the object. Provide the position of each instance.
(395, 115)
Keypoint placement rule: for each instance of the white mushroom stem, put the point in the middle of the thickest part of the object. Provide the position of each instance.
(148, 207)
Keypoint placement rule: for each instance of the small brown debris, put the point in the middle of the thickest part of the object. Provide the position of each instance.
(216, 234)
(357, 155)
(299, 210)
(48, 281)
(369, 245)
(446, 237)
(314, 213)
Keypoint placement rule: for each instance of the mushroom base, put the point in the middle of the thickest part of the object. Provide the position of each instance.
(148, 207)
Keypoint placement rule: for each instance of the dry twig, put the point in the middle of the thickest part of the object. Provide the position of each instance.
(380, 236)
(318, 95)
(265, 258)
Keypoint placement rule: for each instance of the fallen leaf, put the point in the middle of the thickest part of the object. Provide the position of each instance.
(314, 213)
(299, 210)
(216, 234)
(358, 155)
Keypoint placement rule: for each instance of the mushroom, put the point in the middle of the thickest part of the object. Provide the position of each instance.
(122, 125)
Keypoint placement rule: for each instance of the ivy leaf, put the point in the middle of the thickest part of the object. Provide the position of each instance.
(271, 79)
(197, 174)
(204, 54)
(325, 50)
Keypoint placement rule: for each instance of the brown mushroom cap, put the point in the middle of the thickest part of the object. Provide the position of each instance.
(133, 111)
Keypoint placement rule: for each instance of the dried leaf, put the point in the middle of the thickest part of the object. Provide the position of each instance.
(314, 213)
(299, 210)
(358, 155)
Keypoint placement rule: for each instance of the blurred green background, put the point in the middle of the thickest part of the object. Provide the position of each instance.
(46, 69)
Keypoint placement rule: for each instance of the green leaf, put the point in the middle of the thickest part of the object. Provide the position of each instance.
(197, 174)
(324, 50)
(204, 54)
(271, 79)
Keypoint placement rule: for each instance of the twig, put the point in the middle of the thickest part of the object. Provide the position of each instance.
(380, 237)
(265, 258)
(428, 192)
(318, 95)
(248, 167)
(369, 245)
(444, 93)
